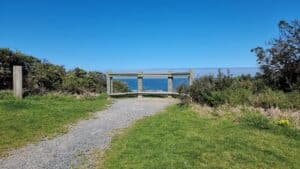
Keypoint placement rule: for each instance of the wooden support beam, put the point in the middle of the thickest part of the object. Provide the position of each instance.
(111, 84)
(170, 84)
(108, 84)
(140, 84)
(191, 77)
(18, 82)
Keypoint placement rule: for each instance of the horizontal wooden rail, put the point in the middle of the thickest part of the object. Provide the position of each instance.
(151, 74)
(144, 93)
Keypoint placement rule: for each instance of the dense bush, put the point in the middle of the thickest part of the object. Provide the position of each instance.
(120, 87)
(8, 59)
(79, 81)
(271, 98)
(45, 77)
(221, 89)
(75, 81)
(183, 91)
(240, 90)
(201, 89)
(42, 76)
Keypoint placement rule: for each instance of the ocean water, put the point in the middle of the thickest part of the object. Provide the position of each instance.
(161, 83)
(154, 84)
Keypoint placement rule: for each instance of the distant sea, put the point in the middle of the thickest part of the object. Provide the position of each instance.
(161, 84)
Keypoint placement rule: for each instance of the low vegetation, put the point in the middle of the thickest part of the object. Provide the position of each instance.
(182, 137)
(36, 117)
(242, 90)
(41, 77)
(278, 84)
(120, 87)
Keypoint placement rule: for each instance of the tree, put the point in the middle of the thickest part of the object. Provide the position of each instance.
(280, 63)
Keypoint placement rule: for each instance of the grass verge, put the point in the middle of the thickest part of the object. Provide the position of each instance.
(36, 117)
(183, 138)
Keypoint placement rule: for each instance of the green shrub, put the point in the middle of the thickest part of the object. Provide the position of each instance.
(229, 96)
(222, 89)
(201, 89)
(42, 76)
(256, 120)
(294, 99)
(183, 89)
(8, 59)
(241, 90)
(184, 96)
(223, 81)
(216, 98)
(270, 98)
(96, 82)
(79, 81)
(239, 96)
(120, 87)
(45, 77)
(74, 83)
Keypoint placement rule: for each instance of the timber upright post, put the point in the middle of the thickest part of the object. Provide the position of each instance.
(140, 77)
(191, 77)
(170, 84)
(109, 83)
(18, 82)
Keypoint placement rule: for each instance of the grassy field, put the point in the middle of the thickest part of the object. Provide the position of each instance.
(35, 117)
(183, 138)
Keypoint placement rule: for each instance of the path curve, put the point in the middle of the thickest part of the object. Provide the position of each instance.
(62, 152)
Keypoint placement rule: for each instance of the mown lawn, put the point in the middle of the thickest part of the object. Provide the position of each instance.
(181, 138)
(35, 117)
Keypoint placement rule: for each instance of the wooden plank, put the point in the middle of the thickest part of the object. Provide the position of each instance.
(151, 74)
(144, 93)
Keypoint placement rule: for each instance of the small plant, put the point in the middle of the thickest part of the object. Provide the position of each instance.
(184, 95)
(6, 94)
(217, 98)
(256, 120)
(283, 122)
(120, 86)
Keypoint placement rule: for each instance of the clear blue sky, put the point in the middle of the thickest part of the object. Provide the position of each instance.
(139, 34)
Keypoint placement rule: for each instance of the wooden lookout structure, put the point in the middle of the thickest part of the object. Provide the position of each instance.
(140, 76)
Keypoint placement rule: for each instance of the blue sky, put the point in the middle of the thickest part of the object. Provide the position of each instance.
(142, 34)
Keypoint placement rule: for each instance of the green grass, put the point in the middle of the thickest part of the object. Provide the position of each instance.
(35, 117)
(181, 138)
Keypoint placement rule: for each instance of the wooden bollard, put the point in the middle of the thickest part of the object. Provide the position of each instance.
(18, 82)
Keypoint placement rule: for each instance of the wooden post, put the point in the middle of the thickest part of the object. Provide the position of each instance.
(170, 84)
(108, 83)
(111, 85)
(140, 84)
(18, 82)
(191, 77)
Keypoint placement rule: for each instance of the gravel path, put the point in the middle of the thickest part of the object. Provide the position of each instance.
(63, 151)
